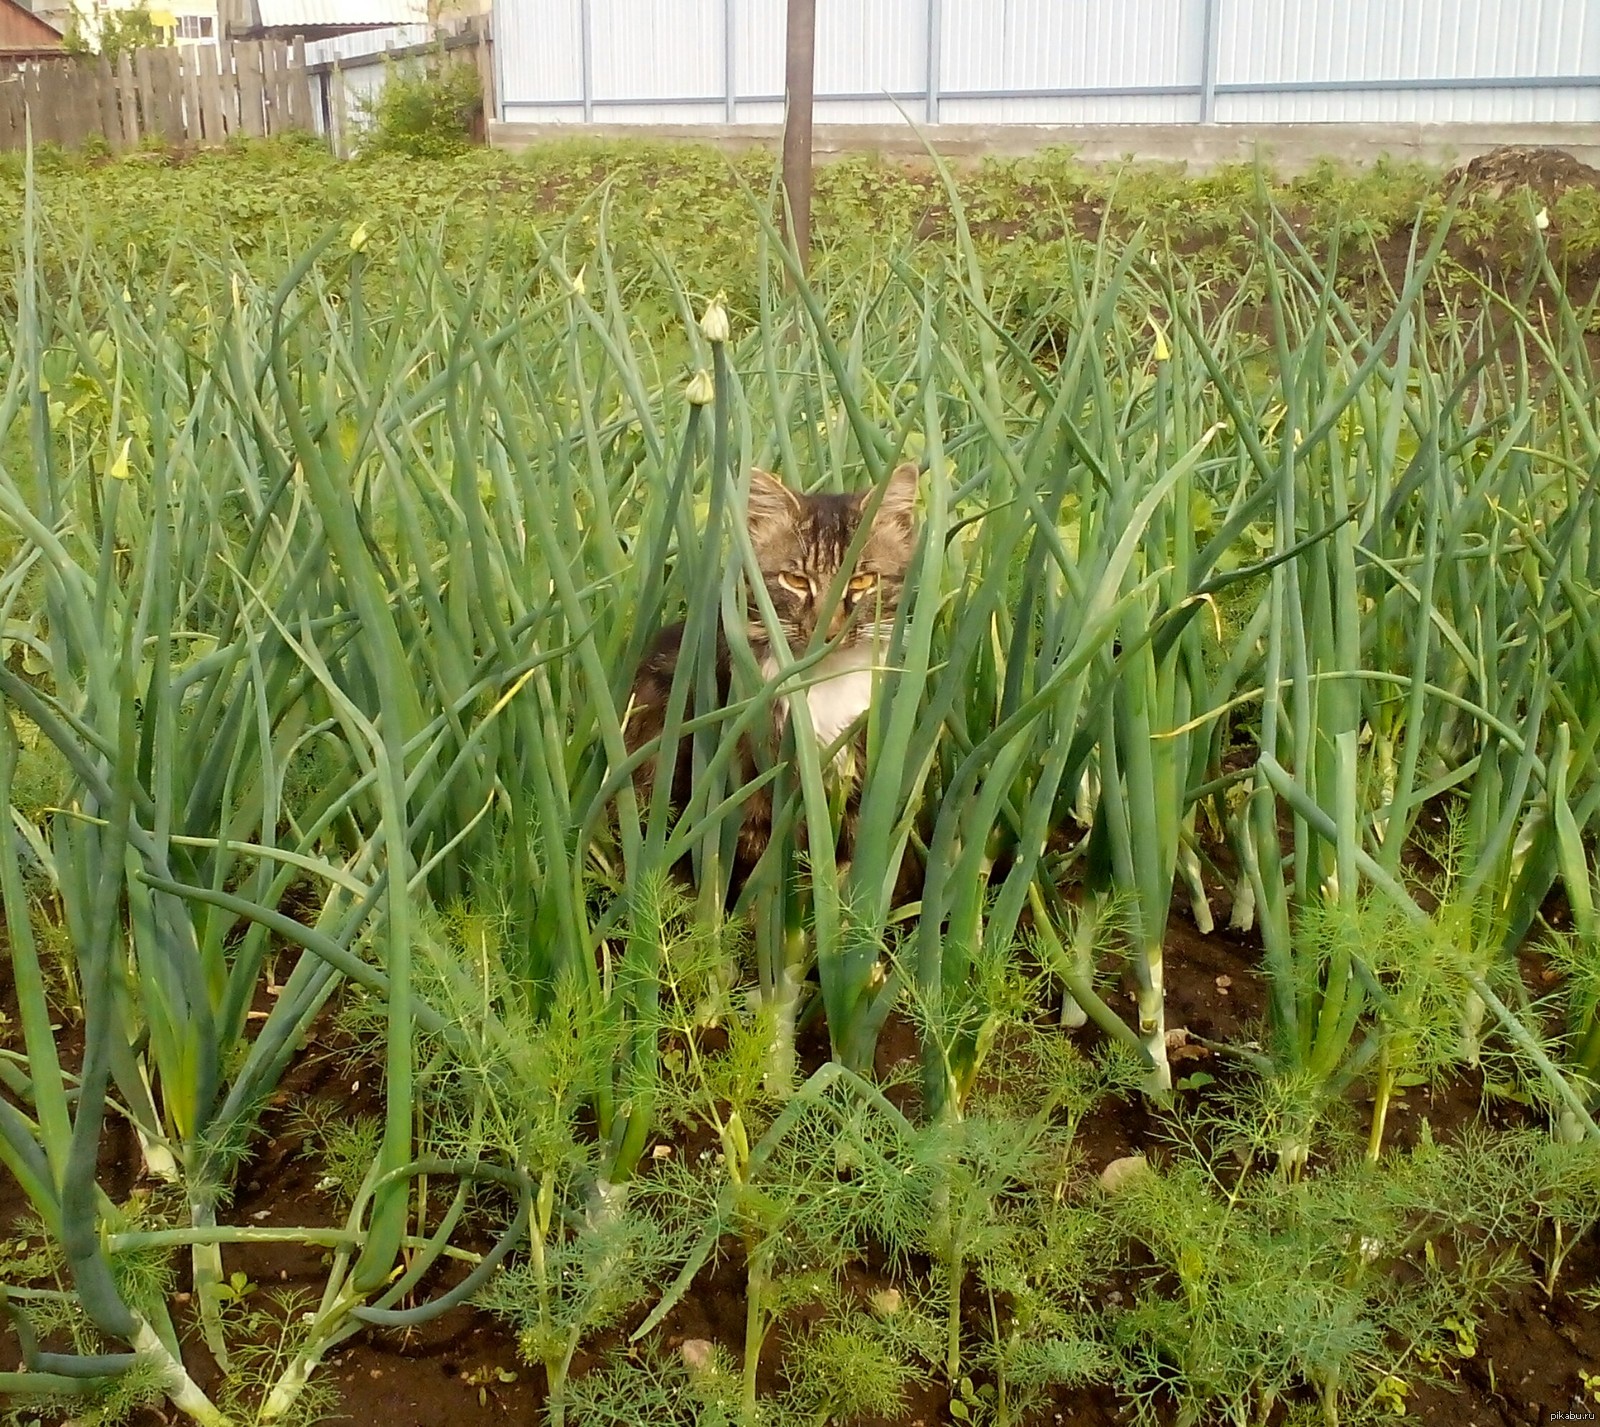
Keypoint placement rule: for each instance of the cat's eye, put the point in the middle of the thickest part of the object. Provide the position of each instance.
(795, 583)
(860, 584)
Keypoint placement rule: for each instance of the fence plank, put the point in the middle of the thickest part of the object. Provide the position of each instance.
(247, 55)
(149, 108)
(273, 100)
(283, 116)
(43, 113)
(11, 113)
(62, 96)
(300, 94)
(110, 111)
(170, 82)
(80, 101)
(269, 98)
(189, 57)
(210, 80)
(128, 101)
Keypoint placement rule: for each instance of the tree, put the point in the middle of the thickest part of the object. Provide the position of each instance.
(130, 29)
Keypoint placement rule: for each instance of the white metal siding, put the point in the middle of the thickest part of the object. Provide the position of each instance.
(1320, 40)
(539, 45)
(660, 49)
(1085, 109)
(758, 38)
(870, 49)
(1450, 106)
(990, 45)
(1058, 61)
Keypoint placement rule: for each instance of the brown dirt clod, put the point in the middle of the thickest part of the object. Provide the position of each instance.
(1547, 172)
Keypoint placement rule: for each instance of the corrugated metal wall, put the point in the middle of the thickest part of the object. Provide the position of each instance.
(1055, 61)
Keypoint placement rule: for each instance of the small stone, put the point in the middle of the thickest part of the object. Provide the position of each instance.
(661, 1152)
(1120, 1173)
(1224, 983)
(885, 1302)
(698, 1354)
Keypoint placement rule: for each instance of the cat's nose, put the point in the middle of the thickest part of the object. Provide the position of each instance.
(836, 623)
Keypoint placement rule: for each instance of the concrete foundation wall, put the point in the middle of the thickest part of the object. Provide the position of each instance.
(1286, 148)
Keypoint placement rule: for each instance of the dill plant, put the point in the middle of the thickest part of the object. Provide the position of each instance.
(1335, 1288)
(510, 1083)
(803, 1183)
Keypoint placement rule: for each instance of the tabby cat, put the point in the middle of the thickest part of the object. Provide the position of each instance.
(800, 543)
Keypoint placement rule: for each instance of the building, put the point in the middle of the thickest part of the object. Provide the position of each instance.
(25, 35)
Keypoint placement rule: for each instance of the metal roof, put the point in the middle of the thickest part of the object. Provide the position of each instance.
(330, 16)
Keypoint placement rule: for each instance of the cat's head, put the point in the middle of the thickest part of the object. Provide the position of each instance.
(800, 543)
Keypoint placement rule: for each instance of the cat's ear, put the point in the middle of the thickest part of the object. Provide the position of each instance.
(898, 507)
(772, 505)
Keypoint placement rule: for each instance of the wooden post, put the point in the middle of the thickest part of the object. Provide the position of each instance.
(340, 112)
(252, 112)
(799, 86)
(110, 110)
(189, 57)
(210, 77)
(128, 101)
(485, 53)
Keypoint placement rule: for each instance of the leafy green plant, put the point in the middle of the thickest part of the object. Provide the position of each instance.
(1262, 1288)
(423, 111)
(342, 1145)
(117, 31)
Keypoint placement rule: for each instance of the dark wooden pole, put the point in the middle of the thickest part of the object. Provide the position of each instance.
(798, 90)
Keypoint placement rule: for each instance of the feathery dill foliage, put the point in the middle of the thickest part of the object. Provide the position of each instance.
(1260, 1290)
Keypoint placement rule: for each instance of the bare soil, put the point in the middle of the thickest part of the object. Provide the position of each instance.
(1546, 172)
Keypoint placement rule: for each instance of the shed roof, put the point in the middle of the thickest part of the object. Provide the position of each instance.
(322, 17)
(23, 33)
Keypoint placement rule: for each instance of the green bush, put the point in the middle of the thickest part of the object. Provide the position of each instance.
(425, 113)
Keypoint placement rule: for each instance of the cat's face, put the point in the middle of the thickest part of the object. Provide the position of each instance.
(800, 543)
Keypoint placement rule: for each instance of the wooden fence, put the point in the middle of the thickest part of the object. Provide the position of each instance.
(190, 94)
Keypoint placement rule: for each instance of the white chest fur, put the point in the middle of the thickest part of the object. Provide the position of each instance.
(836, 692)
